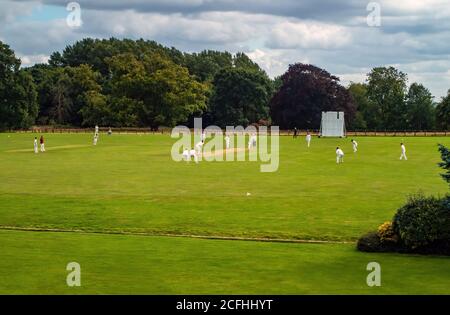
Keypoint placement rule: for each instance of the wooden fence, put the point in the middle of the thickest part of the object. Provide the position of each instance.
(362, 133)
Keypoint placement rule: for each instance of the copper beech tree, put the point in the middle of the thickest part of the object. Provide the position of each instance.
(305, 92)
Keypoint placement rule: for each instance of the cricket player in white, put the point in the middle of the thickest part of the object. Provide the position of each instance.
(186, 155)
(194, 154)
(35, 145)
(252, 142)
(308, 139)
(339, 155)
(355, 146)
(403, 155)
(95, 139)
(199, 148)
(227, 142)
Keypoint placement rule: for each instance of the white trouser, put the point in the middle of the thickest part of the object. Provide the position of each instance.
(403, 156)
(355, 149)
(42, 147)
(339, 158)
(309, 143)
(35, 149)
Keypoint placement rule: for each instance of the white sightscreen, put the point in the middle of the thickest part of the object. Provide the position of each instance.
(333, 124)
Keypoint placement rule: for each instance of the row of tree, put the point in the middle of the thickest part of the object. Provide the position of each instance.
(125, 83)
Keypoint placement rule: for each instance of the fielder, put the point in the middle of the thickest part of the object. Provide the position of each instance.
(355, 146)
(192, 153)
(339, 155)
(308, 139)
(199, 148)
(35, 145)
(252, 142)
(403, 155)
(41, 141)
(227, 142)
(95, 139)
(186, 155)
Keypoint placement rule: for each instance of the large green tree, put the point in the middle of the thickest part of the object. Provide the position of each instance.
(386, 88)
(443, 113)
(240, 97)
(206, 64)
(162, 92)
(64, 92)
(364, 118)
(95, 52)
(420, 112)
(18, 98)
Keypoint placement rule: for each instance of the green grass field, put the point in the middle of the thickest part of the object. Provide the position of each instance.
(129, 184)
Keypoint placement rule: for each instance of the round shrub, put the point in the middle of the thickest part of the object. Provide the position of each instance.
(423, 221)
(371, 242)
(387, 234)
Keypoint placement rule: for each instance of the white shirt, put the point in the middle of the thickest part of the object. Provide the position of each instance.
(355, 144)
(35, 142)
(308, 138)
(403, 148)
(339, 152)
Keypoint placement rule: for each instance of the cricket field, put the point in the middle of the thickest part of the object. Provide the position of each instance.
(139, 223)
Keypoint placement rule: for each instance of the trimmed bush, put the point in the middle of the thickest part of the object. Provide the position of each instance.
(371, 242)
(387, 234)
(423, 221)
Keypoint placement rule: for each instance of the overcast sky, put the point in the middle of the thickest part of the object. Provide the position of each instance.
(414, 35)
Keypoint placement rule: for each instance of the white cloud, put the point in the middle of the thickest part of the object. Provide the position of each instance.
(29, 60)
(308, 35)
(9, 10)
(330, 34)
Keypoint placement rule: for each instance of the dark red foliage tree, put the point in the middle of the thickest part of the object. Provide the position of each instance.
(305, 92)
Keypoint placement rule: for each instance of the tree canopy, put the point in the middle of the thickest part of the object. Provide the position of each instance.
(130, 83)
(240, 97)
(443, 113)
(305, 92)
(18, 98)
